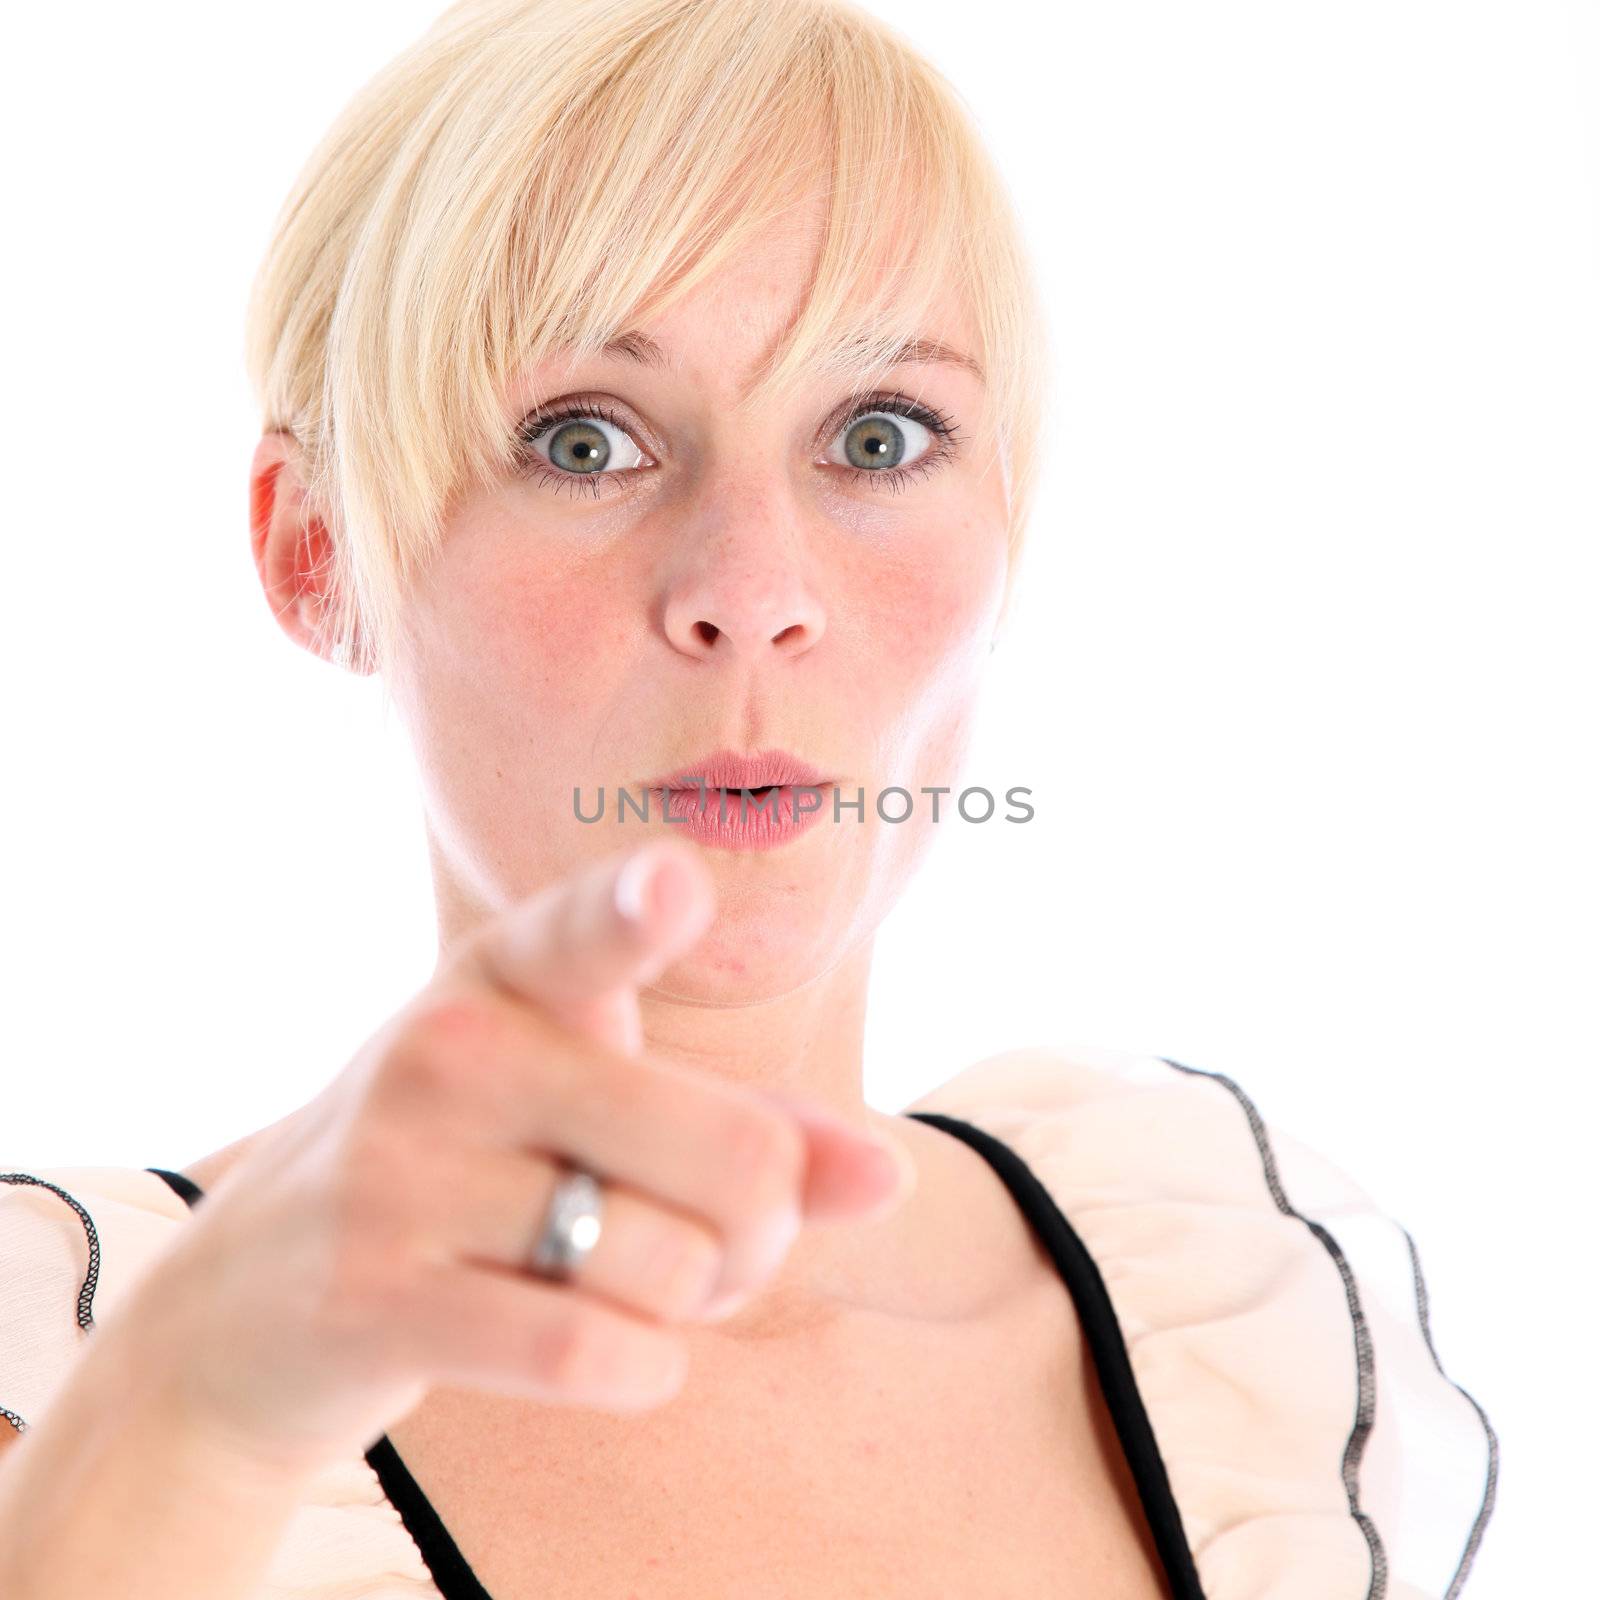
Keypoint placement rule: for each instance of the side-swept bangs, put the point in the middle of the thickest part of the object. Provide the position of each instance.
(530, 178)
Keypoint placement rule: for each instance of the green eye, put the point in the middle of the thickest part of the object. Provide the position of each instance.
(877, 441)
(580, 446)
(878, 437)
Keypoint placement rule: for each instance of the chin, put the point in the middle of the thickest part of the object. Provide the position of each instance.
(736, 966)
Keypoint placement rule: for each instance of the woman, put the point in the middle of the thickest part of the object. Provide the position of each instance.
(651, 394)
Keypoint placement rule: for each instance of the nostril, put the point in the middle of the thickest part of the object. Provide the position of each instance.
(707, 631)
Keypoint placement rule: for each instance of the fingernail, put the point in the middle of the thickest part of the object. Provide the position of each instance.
(772, 1246)
(631, 886)
(724, 1306)
(654, 885)
(774, 1242)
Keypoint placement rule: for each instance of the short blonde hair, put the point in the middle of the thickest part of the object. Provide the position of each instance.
(533, 176)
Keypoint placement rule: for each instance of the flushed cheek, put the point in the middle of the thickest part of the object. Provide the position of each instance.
(930, 620)
(929, 650)
(547, 649)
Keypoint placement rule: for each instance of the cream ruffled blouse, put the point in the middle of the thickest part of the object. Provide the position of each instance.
(1259, 1328)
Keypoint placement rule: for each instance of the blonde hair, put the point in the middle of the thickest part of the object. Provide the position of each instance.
(531, 177)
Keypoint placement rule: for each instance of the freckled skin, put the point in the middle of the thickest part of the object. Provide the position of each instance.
(742, 593)
(733, 584)
(560, 648)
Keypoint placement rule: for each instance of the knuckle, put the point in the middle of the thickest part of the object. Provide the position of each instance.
(369, 1204)
(416, 1067)
(443, 1022)
(583, 1091)
(441, 1050)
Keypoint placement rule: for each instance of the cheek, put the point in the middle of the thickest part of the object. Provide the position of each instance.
(936, 609)
(549, 642)
(541, 639)
(541, 623)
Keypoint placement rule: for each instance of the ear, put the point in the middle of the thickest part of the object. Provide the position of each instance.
(291, 546)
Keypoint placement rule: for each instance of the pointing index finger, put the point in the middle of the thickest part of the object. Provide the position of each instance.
(613, 926)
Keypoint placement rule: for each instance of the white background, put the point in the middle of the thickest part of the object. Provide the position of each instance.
(1302, 675)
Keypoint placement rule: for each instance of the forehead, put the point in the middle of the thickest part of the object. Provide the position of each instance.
(723, 328)
(755, 296)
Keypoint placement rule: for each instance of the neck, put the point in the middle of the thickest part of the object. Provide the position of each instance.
(806, 1042)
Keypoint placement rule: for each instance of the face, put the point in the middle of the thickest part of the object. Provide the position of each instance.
(667, 577)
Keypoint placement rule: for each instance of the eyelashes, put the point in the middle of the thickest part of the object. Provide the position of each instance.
(943, 431)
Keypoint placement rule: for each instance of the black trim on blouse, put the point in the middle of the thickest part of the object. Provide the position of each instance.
(1106, 1345)
(456, 1580)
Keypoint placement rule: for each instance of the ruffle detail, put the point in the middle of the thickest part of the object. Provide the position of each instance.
(1275, 1321)
(73, 1242)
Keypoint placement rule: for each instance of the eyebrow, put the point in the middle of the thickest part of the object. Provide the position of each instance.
(641, 348)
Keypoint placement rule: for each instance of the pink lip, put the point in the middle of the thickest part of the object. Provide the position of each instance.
(708, 800)
(728, 769)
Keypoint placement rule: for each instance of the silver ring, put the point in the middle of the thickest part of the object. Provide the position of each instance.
(571, 1226)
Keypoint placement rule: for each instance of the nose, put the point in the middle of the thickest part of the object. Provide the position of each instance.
(744, 594)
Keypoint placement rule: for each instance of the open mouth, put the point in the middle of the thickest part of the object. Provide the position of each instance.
(733, 793)
(744, 818)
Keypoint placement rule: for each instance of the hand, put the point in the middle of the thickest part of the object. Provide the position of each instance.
(378, 1242)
